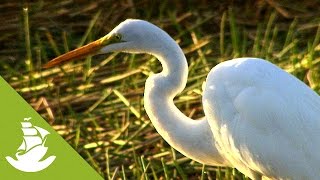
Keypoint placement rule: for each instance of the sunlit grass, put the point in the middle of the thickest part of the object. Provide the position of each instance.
(96, 104)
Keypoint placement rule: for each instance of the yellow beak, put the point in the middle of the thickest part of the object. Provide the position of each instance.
(80, 52)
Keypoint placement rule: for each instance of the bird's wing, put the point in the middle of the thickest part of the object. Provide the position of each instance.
(278, 130)
(264, 119)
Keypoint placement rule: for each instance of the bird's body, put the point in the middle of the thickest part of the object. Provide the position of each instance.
(265, 121)
(258, 118)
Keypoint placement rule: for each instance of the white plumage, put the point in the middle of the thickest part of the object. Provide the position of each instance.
(265, 121)
(258, 118)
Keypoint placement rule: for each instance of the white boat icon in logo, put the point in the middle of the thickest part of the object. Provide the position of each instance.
(32, 149)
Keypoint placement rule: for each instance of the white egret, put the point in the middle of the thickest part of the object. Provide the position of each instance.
(259, 119)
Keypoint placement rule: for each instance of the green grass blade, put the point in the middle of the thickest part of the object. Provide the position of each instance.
(89, 29)
(222, 32)
(28, 61)
(235, 38)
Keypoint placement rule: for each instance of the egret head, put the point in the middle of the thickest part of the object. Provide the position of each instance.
(132, 36)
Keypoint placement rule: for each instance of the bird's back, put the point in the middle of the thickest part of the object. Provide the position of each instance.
(264, 120)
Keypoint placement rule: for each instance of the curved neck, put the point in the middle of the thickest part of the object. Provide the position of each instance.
(192, 138)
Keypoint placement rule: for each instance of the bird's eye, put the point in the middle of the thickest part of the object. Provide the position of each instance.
(118, 37)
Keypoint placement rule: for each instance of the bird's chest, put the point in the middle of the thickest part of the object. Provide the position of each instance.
(222, 115)
(230, 130)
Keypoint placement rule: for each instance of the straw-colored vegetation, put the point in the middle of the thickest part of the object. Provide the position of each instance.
(96, 104)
